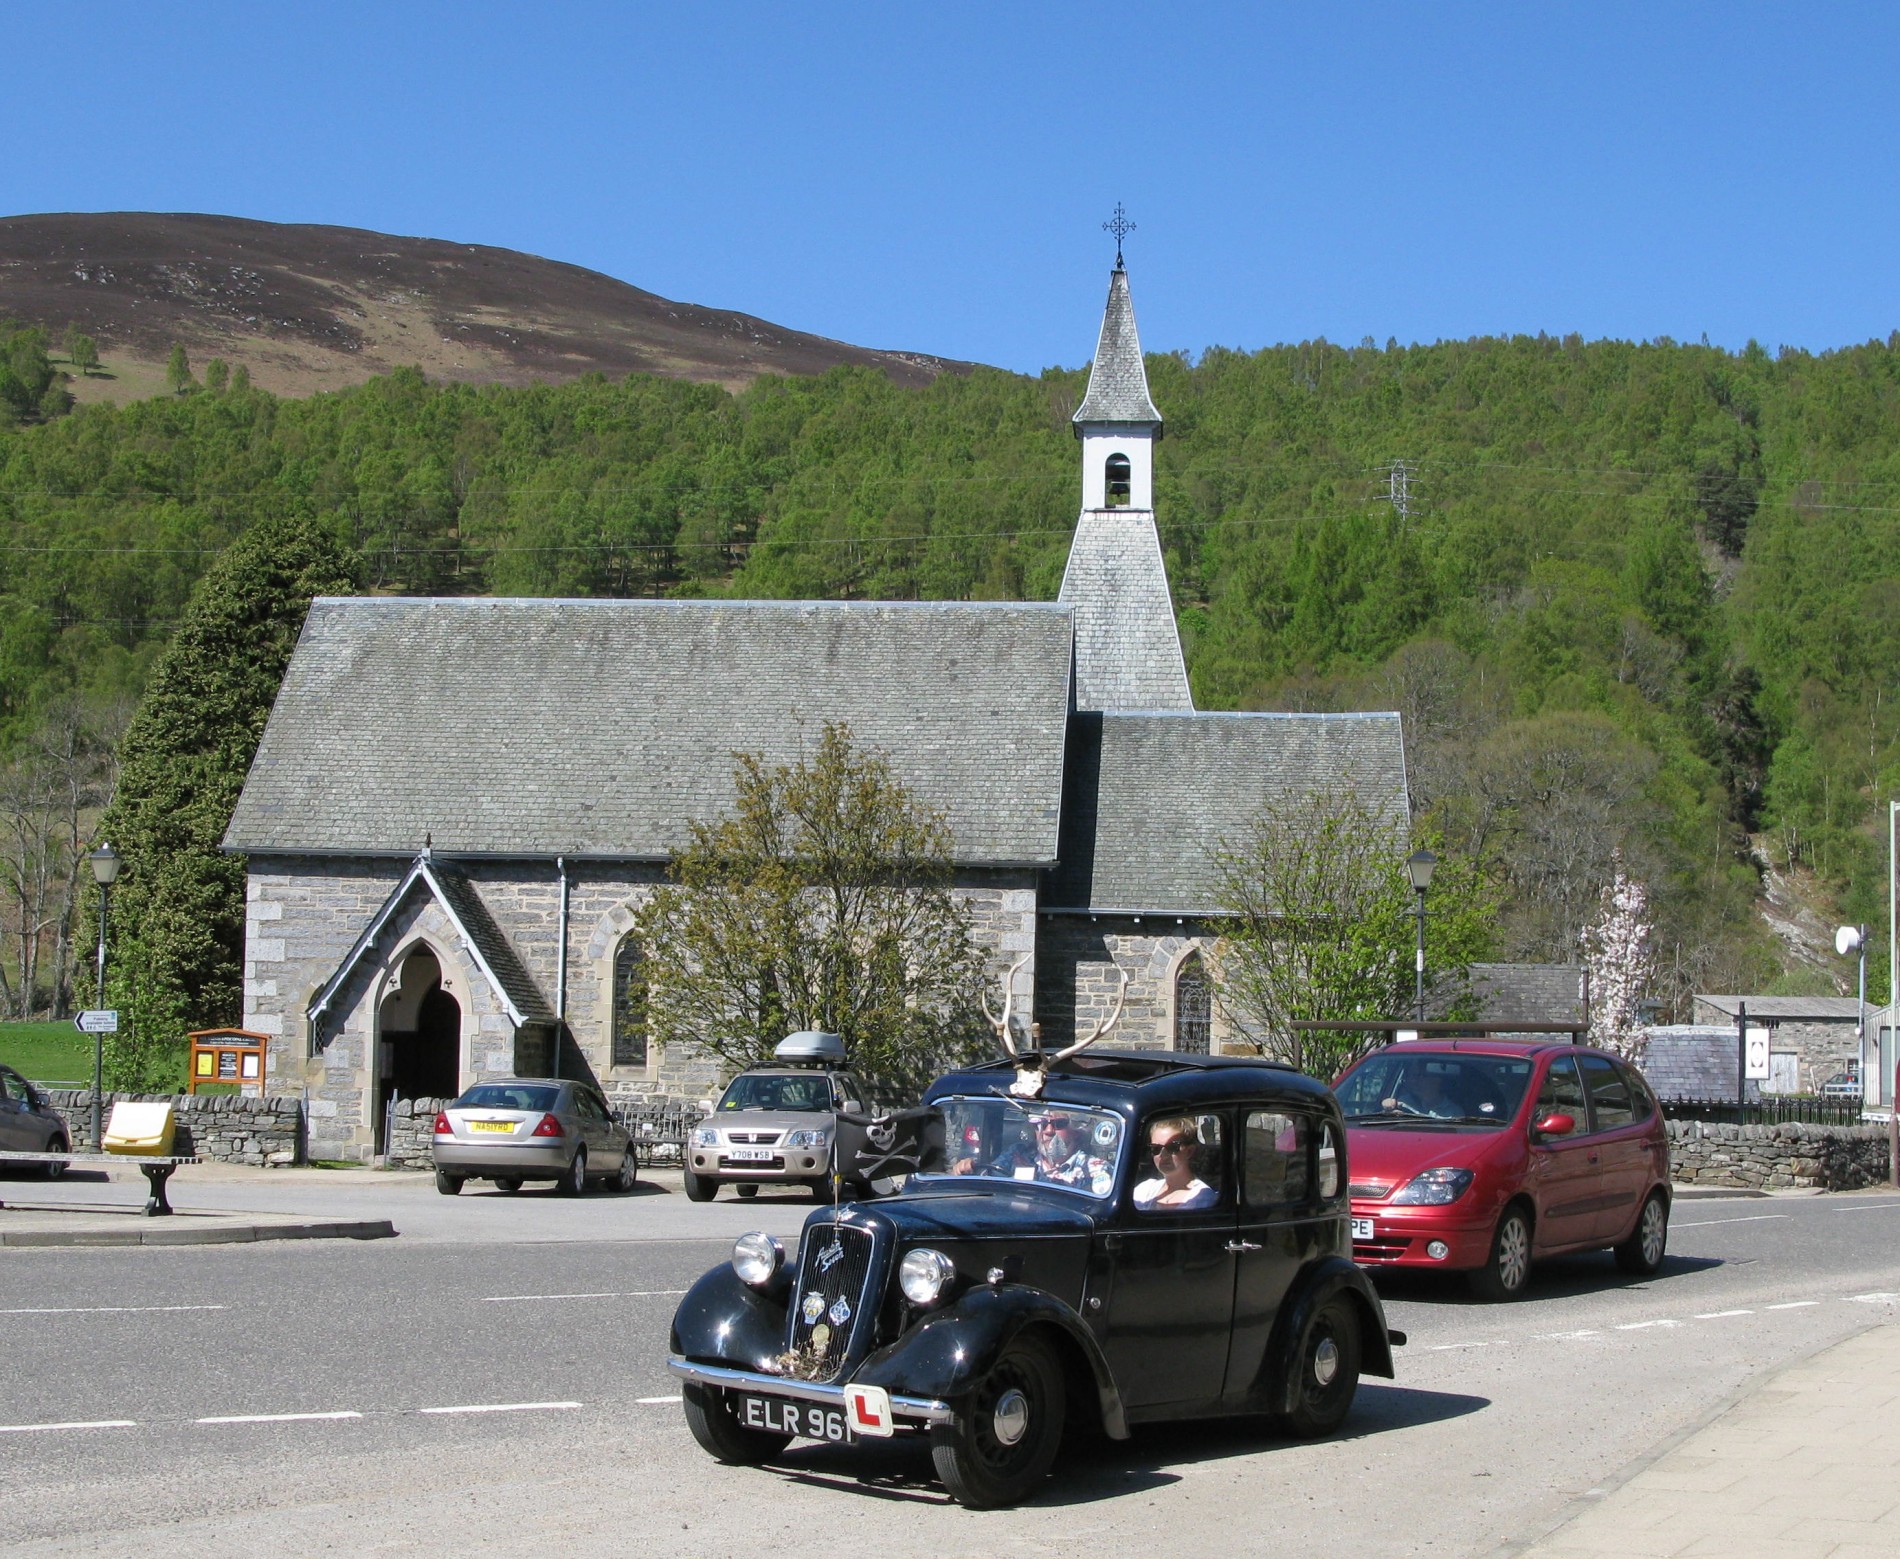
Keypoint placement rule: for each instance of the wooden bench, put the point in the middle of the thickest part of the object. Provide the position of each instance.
(157, 1170)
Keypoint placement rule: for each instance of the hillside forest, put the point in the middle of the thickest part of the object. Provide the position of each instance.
(1633, 599)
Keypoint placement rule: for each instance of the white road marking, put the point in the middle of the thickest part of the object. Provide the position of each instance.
(1870, 1207)
(504, 1407)
(1716, 1315)
(109, 1309)
(1643, 1326)
(638, 1293)
(274, 1418)
(99, 1423)
(1567, 1336)
(1872, 1299)
(1710, 1223)
(1794, 1304)
(1447, 1347)
(649, 1401)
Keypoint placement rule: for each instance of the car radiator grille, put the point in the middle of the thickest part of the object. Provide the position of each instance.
(841, 1306)
(1387, 1247)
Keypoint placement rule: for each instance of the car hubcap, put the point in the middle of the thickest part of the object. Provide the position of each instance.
(1010, 1422)
(1325, 1361)
(1653, 1233)
(1512, 1258)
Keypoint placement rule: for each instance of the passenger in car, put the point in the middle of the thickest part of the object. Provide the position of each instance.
(1175, 1145)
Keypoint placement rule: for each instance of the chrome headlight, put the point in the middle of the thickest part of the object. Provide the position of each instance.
(757, 1258)
(705, 1137)
(1434, 1188)
(922, 1275)
(818, 1137)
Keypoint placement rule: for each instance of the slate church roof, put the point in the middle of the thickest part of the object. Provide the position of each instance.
(1127, 652)
(597, 728)
(1118, 379)
(1152, 797)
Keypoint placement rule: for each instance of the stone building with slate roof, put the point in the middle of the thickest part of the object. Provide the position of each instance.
(457, 804)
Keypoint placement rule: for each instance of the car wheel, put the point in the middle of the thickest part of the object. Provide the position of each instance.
(748, 1191)
(1006, 1432)
(721, 1435)
(54, 1171)
(1326, 1370)
(1641, 1255)
(629, 1173)
(822, 1190)
(1508, 1268)
(700, 1188)
(508, 1184)
(573, 1181)
(448, 1184)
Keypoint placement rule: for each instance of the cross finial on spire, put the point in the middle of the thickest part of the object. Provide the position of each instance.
(1121, 227)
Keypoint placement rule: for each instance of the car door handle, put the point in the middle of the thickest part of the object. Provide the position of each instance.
(1241, 1246)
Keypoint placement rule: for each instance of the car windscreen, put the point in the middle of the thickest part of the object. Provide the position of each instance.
(507, 1096)
(1449, 1089)
(809, 1093)
(1069, 1146)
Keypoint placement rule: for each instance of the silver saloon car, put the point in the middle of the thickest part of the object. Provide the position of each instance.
(29, 1123)
(532, 1128)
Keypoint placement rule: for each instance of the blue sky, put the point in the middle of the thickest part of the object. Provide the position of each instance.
(936, 178)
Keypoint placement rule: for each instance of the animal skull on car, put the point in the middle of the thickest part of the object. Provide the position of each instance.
(1032, 1063)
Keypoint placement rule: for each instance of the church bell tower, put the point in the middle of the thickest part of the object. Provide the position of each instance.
(1127, 650)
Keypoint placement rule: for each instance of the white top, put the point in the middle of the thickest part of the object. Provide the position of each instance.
(1148, 1193)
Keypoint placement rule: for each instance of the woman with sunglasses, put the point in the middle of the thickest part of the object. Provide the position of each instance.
(1174, 1144)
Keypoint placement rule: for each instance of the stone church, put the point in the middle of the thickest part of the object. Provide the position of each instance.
(456, 803)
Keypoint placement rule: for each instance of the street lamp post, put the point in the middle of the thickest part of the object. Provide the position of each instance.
(1419, 866)
(105, 872)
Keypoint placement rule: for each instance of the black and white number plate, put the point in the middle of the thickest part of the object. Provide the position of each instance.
(777, 1415)
(1362, 1228)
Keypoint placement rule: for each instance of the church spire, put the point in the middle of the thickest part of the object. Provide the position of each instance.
(1127, 649)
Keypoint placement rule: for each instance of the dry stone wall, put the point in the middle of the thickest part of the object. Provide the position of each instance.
(1827, 1158)
(226, 1127)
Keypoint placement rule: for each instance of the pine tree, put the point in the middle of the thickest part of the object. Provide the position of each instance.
(176, 931)
(1617, 954)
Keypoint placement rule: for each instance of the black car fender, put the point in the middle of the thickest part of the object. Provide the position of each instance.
(723, 1320)
(947, 1352)
(1326, 1278)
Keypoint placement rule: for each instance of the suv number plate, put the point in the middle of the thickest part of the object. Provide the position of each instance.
(775, 1415)
(750, 1155)
(1362, 1228)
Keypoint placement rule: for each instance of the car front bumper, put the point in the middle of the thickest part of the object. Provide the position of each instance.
(921, 1410)
(785, 1164)
(535, 1156)
(1403, 1237)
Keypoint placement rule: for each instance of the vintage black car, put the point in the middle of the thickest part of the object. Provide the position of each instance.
(1047, 1267)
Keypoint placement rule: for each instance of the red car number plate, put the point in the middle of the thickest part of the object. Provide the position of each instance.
(775, 1415)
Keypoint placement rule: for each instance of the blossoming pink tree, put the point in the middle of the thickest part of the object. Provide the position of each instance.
(1617, 953)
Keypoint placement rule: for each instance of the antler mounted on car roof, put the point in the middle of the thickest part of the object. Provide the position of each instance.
(1032, 1063)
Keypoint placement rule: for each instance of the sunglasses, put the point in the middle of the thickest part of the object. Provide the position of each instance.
(1176, 1146)
(1044, 1128)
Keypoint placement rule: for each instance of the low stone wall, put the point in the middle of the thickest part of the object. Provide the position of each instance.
(1829, 1158)
(226, 1127)
(412, 1134)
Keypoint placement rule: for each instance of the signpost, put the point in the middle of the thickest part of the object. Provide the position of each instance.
(98, 1022)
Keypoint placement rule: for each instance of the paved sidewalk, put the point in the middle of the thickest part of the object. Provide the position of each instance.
(1805, 1465)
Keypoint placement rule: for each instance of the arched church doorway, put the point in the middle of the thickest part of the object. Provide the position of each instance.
(418, 1039)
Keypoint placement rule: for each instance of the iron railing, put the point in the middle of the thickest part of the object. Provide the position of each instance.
(1771, 1110)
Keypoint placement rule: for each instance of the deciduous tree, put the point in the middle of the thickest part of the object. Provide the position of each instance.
(820, 901)
(1621, 963)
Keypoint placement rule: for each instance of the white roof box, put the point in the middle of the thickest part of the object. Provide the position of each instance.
(810, 1047)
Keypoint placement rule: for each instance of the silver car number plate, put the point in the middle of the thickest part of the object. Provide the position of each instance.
(1362, 1228)
(750, 1155)
(775, 1415)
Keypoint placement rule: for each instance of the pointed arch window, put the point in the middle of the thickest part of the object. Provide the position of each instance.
(1118, 481)
(1193, 1007)
(629, 1015)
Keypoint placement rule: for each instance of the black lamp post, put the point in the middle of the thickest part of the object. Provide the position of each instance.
(105, 872)
(1419, 866)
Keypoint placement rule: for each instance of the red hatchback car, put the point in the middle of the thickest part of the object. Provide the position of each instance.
(1481, 1156)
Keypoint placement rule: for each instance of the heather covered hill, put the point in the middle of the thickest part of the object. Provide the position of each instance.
(304, 308)
(1645, 599)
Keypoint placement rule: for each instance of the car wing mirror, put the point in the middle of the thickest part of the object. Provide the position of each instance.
(1555, 1124)
(705, 1106)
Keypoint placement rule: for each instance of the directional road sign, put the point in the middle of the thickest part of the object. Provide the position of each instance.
(102, 1020)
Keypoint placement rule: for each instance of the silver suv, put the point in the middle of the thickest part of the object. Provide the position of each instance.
(775, 1125)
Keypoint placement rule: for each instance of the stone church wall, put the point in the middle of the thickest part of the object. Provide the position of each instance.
(1076, 974)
